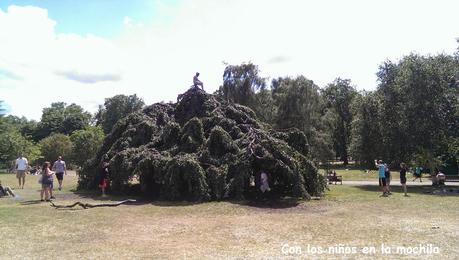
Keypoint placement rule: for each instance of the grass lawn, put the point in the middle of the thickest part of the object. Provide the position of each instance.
(348, 216)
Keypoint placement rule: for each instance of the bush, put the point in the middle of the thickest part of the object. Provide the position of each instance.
(56, 145)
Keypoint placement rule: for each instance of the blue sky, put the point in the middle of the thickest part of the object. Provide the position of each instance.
(99, 17)
(83, 51)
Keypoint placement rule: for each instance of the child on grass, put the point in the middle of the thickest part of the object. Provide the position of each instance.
(103, 176)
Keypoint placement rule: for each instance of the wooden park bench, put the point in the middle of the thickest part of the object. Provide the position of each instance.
(332, 177)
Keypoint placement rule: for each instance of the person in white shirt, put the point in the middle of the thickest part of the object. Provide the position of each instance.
(197, 82)
(264, 182)
(21, 169)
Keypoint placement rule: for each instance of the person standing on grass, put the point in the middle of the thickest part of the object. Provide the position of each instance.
(60, 169)
(46, 182)
(103, 176)
(382, 177)
(21, 169)
(417, 174)
(388, 178)
(403, 177)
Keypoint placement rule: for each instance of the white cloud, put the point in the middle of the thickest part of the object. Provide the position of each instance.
(127, 20)
(50, 67)
(319, 39)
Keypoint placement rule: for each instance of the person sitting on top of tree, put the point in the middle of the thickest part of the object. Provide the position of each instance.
(197, 82)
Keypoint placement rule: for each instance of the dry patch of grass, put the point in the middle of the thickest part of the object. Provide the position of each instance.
(348, 216)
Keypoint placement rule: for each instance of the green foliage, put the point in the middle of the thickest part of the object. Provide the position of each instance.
(116, 108)
(216, 178)
(60, 118)
(264, 106)
(220, 142)
(198, 149)
(339, 96)
(299, 105)
(86, 144)
(185, 179)
(56, 145)
(366, 140)
(192, 136)
(240, 83)
(419, 105)
(12, 144)
(27, 128)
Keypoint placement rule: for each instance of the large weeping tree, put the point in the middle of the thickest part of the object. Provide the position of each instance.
(203, 148)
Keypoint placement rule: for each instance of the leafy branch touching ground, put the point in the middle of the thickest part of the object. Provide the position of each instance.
(203, 148)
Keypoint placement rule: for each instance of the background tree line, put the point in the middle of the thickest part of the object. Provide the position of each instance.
(63, 129)
(412, 116)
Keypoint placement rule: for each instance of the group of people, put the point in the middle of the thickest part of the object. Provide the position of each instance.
(385, 177)
(438, 178)
(46, 179)
(59, 169)
(47, 174)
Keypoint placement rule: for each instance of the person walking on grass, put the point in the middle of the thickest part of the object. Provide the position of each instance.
(21, 169)
(46, 182)
(388, 178)
(403, 177)
(60, 169)
(382, 177)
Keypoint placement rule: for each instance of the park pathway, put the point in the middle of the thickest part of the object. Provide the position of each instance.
(397, 183)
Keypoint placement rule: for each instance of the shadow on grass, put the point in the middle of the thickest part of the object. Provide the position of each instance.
(279, 203)
(447, 190)
(268, 204)
(31, 202)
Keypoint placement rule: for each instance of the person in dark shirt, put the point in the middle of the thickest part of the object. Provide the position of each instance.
(403, 177)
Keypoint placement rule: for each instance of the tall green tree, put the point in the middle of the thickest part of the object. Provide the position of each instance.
(300, 105)
(61, 118)
(116, 108)
(56, 145)
(240, 83)
(419, 105)
(338, 96)
(86, 143)
(264, 106)
(26, 127)
(366, 141)
(12, 144)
